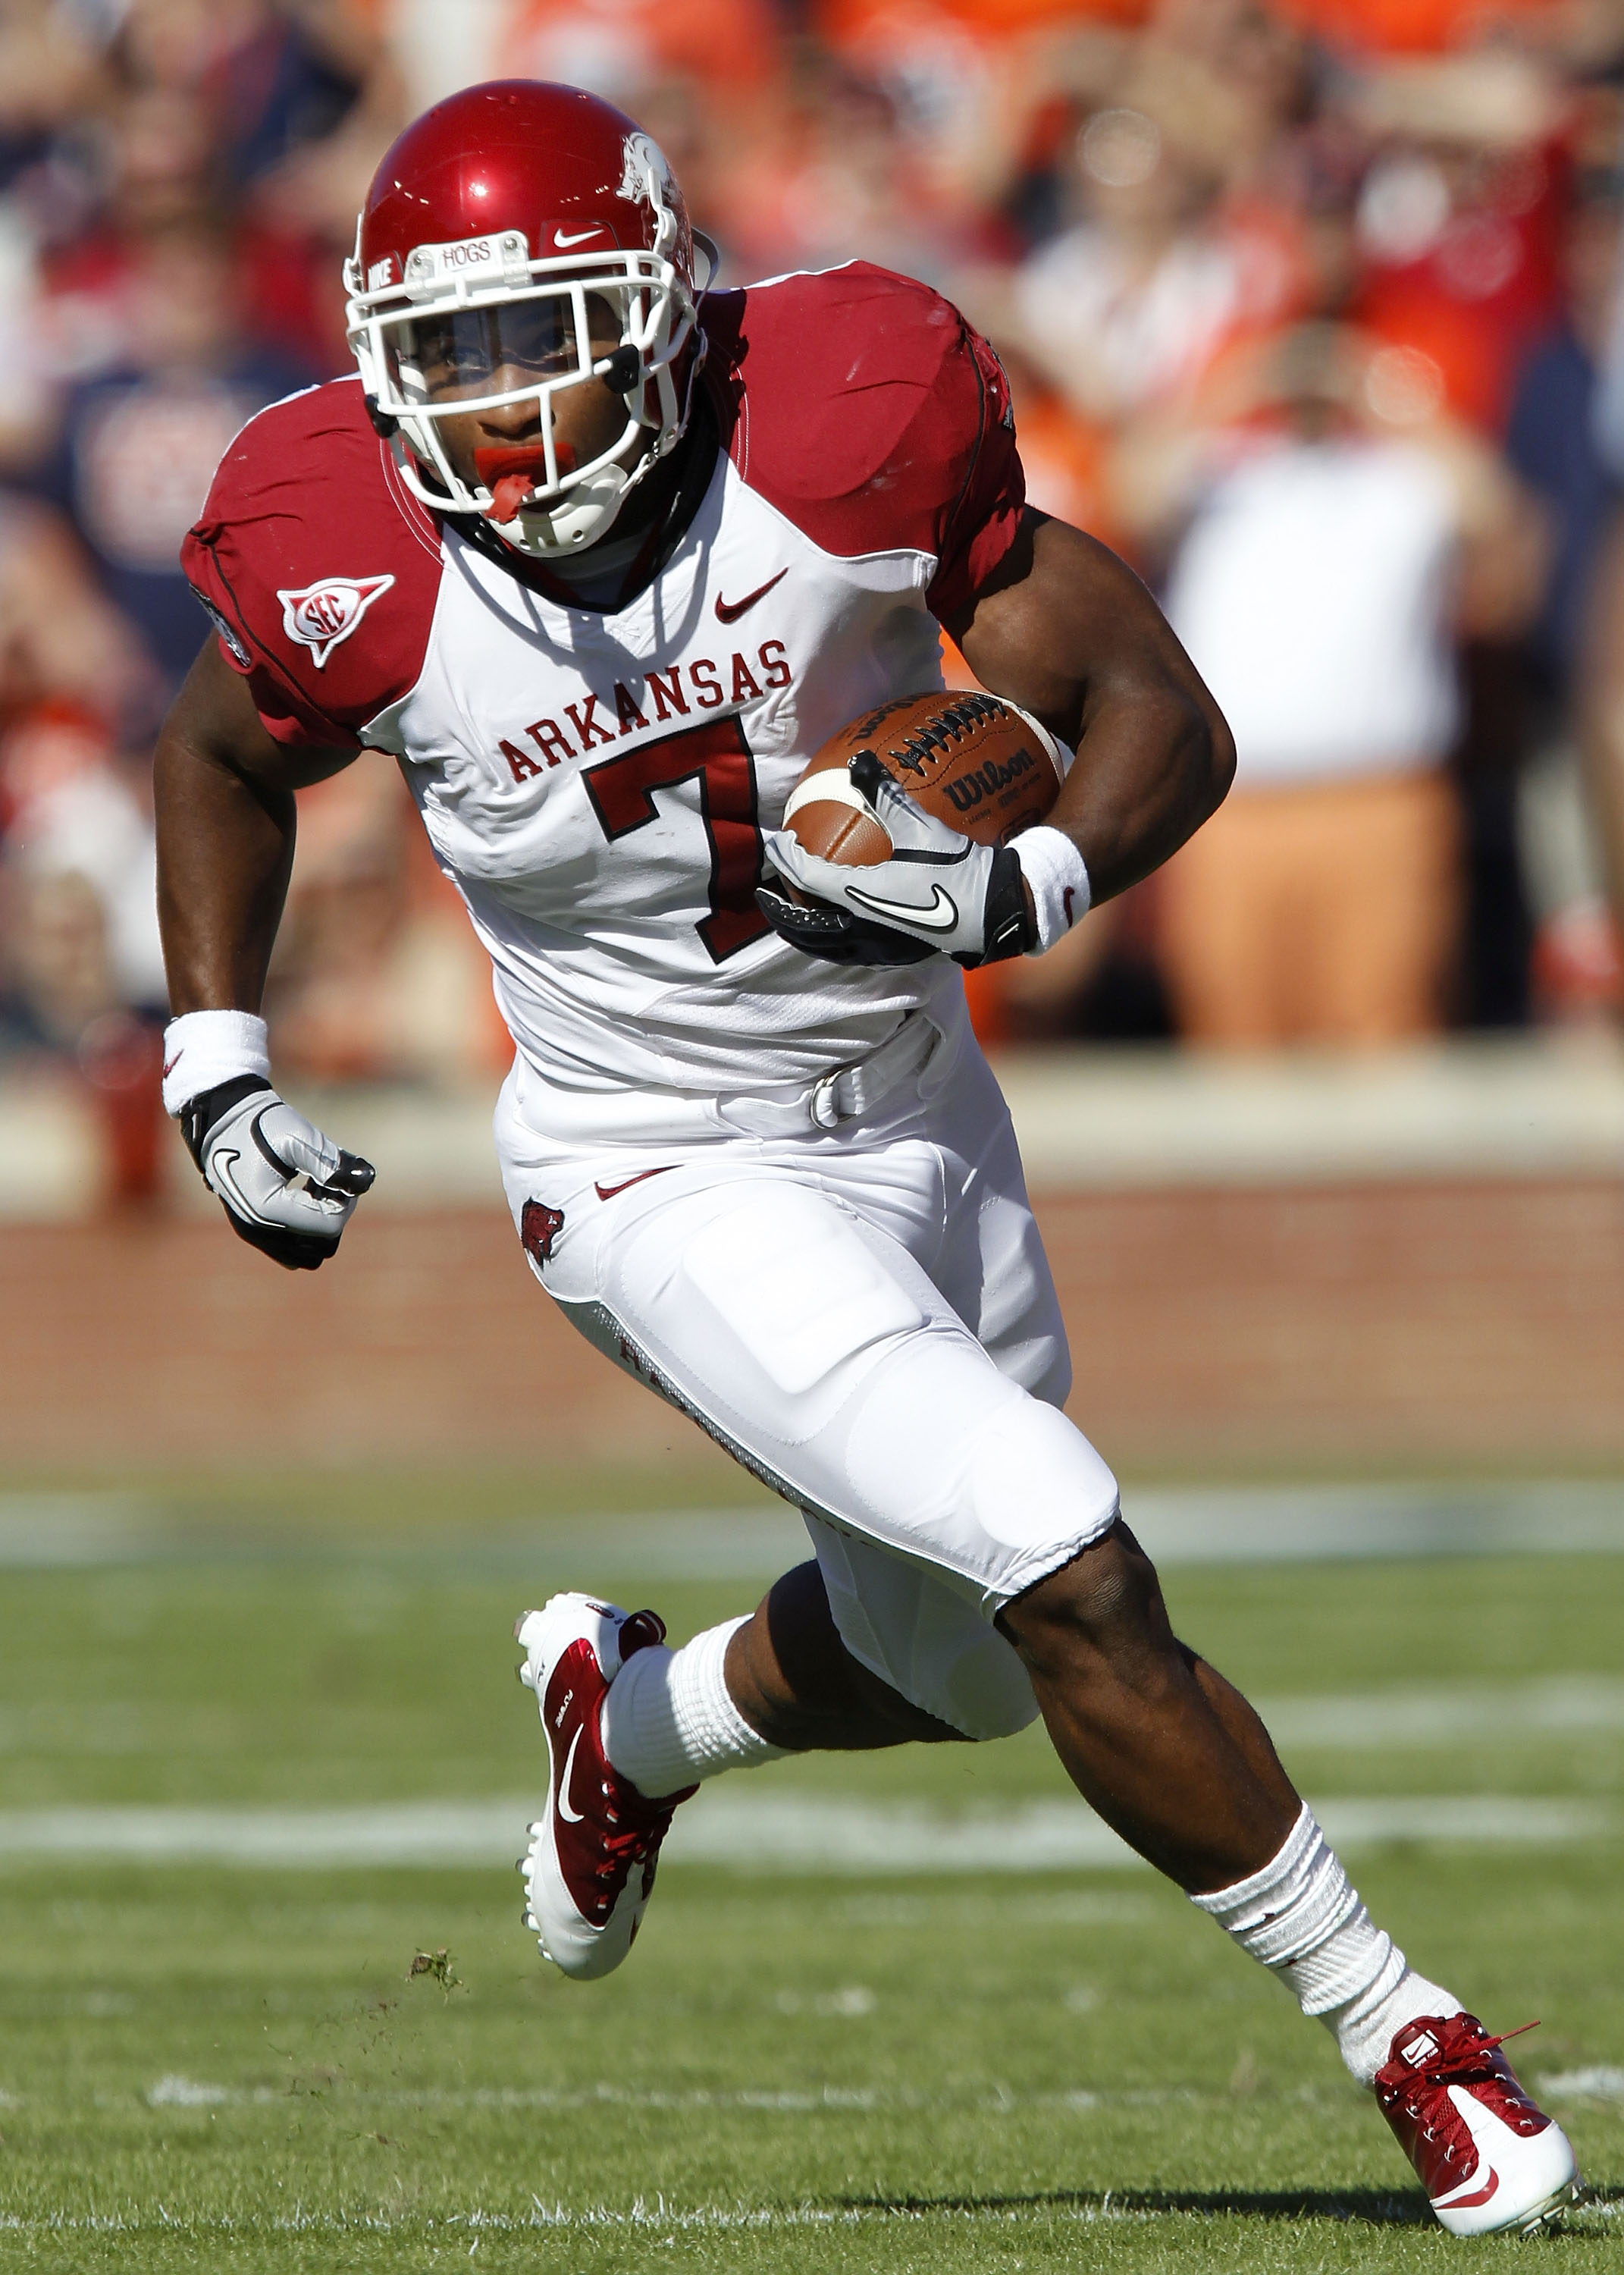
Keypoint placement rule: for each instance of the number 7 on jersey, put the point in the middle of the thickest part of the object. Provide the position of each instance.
(717, 756)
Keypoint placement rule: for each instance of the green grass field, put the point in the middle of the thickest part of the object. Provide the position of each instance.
(207, 2064)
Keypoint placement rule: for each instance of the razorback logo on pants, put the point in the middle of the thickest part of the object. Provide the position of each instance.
(540, 1226)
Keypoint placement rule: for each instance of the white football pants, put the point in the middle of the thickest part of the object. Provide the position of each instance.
(864, 1317)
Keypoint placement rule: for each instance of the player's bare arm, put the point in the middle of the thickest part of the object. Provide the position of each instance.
(223, 793)
(1067, 631)
(1067, 635)
(223, 790)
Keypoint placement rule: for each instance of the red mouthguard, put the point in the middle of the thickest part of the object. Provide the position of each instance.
(510, 471)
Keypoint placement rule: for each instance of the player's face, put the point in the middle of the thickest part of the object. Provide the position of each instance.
(478, 352)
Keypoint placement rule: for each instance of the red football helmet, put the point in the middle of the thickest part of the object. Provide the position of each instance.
(490, 225)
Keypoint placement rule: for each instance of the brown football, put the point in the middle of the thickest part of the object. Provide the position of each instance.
(973, 761)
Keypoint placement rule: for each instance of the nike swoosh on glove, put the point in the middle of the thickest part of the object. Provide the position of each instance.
(939, 891)
(285, 1188)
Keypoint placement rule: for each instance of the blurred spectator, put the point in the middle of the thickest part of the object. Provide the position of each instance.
(138, 445)
(1600, 724)
(377, 974)
(1330, 557)
(1459, 218)
(1555, 443)
(1128, 308)
(61, 641)
(78, 928)
(80, 842)
(622, 48)
(81, 971)
(1420, 27)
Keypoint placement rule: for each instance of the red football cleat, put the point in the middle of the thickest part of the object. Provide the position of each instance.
(1488, 2159)
(589, 1870)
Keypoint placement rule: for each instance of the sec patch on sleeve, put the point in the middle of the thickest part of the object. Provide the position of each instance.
(320, 615)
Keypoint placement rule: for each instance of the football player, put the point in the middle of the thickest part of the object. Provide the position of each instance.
(600, 558)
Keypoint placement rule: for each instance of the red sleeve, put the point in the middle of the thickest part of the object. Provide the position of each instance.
(864, 407)
(983, 521)
(319, 569)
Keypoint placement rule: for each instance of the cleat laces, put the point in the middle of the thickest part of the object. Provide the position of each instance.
(635, 1842)
(1468, 2061)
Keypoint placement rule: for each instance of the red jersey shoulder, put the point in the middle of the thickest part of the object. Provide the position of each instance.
(319, 568)
(864, 407)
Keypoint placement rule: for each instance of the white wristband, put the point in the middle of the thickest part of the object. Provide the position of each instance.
(203, 1048)
(1055, 869)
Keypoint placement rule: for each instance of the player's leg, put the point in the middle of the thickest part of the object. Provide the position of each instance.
(1174, 1755)
(1155, 1740)
(844, 1370)
(789, 1673)
(779, 1680)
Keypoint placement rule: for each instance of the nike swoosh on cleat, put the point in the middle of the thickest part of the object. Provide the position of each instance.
(931, 919)
(571, 1815)
(1456, 2202)
(607, 1192)
(728, 612)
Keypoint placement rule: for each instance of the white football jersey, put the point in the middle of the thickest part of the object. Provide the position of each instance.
(596, 783)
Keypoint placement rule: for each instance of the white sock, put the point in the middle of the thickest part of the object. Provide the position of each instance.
(669, 1719)
(1300, 1917)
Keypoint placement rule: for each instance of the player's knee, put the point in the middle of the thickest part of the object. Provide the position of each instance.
(1104, 1607)
(1033, 1491)
(799, 1686)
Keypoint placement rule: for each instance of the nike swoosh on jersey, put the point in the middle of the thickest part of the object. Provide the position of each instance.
(571, 1815)
(728, 612)
(942, 916)
(607, 1192)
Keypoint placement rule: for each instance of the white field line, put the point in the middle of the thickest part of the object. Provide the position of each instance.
(1602, 2081)
(1369, 1722)
(1453, 1714)
(746, 1832)
(665, 2220)
(1221, 1526)
(176, 2092)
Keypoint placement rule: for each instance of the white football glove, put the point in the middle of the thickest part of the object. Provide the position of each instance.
(285, 1188)
(938, 893)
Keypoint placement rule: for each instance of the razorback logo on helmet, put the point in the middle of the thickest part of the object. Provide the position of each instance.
(647, 169)
(538, 1227)
(323, 614)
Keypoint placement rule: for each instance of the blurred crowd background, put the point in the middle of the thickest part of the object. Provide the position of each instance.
(1312, 310)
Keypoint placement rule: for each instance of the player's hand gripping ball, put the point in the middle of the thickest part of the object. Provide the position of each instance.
(895, 843)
